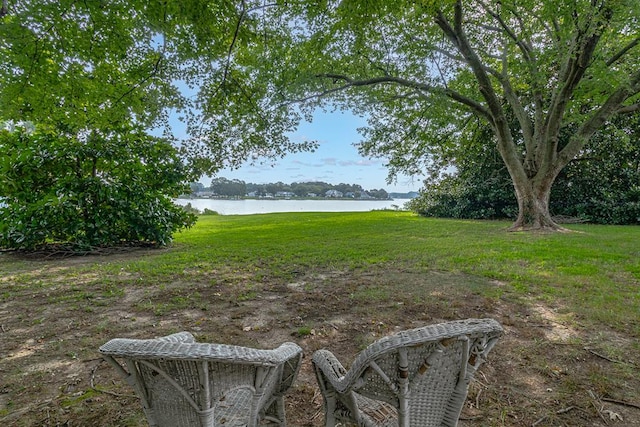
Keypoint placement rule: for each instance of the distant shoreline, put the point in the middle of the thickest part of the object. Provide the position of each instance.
(337, 199)
(350, 199)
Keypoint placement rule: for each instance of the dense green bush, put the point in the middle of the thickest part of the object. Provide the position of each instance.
(89, 190)
(478, 187)
(603, 186)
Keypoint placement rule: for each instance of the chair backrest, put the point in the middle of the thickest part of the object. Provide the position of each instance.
(184, 383)
(424, 373)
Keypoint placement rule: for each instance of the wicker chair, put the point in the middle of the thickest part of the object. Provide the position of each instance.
(185, 383)
(416, 378)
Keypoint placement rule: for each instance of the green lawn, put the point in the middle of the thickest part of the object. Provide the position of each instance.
(593, 271)
(569, 303)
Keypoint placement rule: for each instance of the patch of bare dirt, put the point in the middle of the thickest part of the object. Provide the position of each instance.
(547, 370)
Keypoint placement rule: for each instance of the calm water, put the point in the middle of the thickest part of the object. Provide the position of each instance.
(252, 206)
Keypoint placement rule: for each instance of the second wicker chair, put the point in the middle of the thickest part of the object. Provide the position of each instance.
(415, 378)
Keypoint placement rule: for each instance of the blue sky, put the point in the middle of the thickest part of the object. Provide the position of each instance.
(335, 161)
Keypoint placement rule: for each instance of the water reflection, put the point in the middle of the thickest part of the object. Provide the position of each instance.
(256, 206)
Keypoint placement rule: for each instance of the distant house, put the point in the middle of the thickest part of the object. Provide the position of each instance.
(333, 193)
(285, 194)
(205, 194)
(350, 194)
(312, 195)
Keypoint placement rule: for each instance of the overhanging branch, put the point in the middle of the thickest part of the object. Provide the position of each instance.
(244, 13)
(459, 58)
(598, 118)
(456, 35)
(623, 51)
(628, 109)
(422, 87)
(522, 45)
(156, 68)
(574, 69)
(236, 32)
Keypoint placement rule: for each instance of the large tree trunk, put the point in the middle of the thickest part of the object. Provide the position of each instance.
(533, 206)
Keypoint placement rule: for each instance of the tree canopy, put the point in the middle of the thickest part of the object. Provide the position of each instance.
(422, 71)
(244, 73)
(81, 65)
(95, 65)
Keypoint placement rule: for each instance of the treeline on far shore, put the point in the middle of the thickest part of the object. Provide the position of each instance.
(225, 188)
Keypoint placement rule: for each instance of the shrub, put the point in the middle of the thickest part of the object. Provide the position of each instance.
(88, 190)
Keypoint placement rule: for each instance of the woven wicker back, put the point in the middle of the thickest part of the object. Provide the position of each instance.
(183, 383)
(230, 393)
(424, 373)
